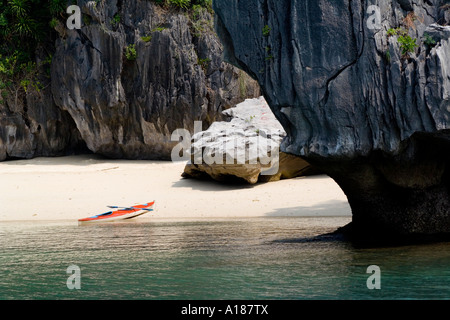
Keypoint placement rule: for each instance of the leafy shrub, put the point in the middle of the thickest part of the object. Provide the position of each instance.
(182, 4)
(24, 24)
(130, 52)
(115, 20)
(186, 4)
(266, 31)
(204, 63)
(407, 44)
(397, 32)
(16, 75)
(428, 40)
(391, 32)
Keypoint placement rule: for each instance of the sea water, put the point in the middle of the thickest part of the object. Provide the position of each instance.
(251, 258)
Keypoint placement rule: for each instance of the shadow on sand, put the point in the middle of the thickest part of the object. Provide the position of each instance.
(331, 208)
(210, 185)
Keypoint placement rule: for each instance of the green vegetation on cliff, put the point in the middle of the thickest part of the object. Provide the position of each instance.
(24, 26)
(28, 26)
(186, 4)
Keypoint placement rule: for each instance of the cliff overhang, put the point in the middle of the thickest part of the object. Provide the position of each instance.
(363, 94)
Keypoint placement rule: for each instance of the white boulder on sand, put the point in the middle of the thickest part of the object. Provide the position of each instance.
(246, 148)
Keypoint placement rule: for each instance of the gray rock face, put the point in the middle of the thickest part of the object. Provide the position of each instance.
(129, 107)
(120, 105)
(34, 126)
(355, 102)
(245, 148)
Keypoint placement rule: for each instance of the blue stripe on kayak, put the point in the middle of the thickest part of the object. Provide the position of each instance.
(101, 215)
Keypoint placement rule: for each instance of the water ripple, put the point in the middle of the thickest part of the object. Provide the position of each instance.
(255, 258)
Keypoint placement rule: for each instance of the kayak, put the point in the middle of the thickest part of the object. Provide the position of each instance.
(121, 214)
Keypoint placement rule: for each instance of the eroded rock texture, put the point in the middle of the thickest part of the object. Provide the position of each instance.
(246, 148)
(129, 107)
(120, 85)
(32, 125)
(355, 102)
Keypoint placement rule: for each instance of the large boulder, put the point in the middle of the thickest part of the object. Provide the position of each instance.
(357, 99)
(244, 148)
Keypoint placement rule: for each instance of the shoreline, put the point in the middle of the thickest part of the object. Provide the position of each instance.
(74, 187)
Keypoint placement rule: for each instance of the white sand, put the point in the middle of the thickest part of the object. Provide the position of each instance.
(69, 188)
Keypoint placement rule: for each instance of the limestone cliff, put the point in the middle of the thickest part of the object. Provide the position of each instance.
(363, 91)
(121, 84)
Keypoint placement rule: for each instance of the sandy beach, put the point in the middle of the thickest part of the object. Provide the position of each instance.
(69, 188)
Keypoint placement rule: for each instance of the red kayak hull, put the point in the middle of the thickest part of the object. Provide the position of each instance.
(122, 214)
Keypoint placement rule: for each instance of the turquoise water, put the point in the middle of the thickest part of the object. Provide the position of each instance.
(253, 258)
